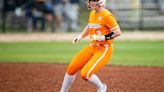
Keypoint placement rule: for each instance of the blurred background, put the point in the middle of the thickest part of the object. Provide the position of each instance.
(40, 15)
(71, 15)
(41, 30)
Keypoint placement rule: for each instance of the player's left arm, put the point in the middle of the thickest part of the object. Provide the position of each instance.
(113, 26)
(114, 33)
(114, 29)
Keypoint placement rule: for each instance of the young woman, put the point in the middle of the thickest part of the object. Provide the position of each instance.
(102, 28)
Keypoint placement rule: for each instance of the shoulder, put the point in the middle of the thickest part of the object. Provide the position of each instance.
(107, 13)
(92, 12)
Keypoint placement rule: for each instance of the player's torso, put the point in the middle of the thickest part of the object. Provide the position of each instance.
(97, 25)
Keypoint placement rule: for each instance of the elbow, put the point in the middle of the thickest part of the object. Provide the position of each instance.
(119, 32)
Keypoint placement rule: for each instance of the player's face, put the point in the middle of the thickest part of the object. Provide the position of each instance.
(93, 5)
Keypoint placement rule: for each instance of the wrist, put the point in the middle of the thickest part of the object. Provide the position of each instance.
(80, 37)
(98, 37)
(109, 36)
(103, 38)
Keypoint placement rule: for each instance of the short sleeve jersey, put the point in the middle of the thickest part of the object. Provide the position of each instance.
(101, 24)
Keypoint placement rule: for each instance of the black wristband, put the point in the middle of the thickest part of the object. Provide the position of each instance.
(109, 36)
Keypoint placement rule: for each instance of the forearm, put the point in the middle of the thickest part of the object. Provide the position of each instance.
(81, 36)
(84, 32)
(113, 34)
(117, 31)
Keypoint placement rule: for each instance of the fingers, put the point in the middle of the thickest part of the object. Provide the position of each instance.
(98, 37)
(101, 38)
(94, 37)
(75, 41)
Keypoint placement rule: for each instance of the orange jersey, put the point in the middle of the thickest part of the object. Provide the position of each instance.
(101, 24)
(94, 56)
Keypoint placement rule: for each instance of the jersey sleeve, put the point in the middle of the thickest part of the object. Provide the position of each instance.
(91, 15)
(111, 22)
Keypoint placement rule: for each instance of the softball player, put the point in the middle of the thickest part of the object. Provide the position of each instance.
(102, 28)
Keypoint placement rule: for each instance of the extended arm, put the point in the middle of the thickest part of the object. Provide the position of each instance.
(81, 36)
(114, 29)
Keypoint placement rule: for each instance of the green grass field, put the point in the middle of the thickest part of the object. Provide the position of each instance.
(133, 53)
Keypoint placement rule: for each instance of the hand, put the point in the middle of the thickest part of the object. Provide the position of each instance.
(76, 39)
(98, 37)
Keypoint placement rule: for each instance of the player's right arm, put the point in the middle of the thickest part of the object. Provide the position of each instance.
(84, 33)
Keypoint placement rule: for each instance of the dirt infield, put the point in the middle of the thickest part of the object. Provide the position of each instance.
(48, 78)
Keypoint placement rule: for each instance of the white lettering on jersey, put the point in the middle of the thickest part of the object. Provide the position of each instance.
(94, 25)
